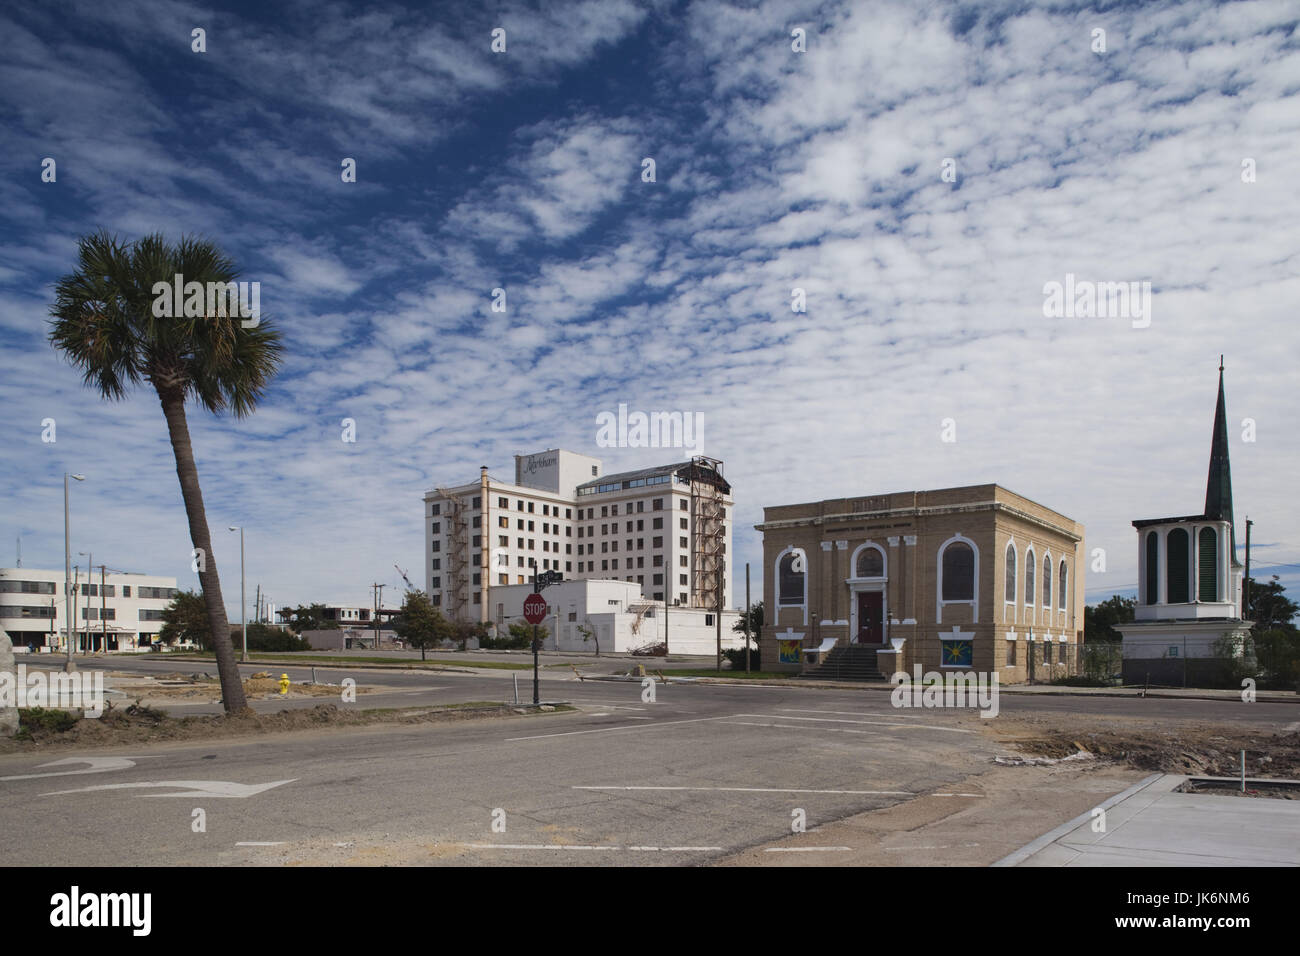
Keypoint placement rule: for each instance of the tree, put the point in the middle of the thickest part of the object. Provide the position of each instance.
(309, 617)
(1269, 608)
(755, 621)
(186, 620)
(421, 624)
(590, 633)
(754, 618)
(1099, 620)
(103, 320)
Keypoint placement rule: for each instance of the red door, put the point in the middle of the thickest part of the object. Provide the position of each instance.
(871, 618)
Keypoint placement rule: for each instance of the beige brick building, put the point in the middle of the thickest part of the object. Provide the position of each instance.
(973, 578)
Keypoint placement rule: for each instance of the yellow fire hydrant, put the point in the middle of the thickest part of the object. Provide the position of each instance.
(284, 684)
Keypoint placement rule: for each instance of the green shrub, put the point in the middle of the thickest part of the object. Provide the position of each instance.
(47, 720)
(736, 655)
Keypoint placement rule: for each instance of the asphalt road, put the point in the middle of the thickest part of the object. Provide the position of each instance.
(699, 773)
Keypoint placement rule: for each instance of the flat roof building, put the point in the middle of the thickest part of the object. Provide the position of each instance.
(971, 578)
(666, 529)
(115, 611)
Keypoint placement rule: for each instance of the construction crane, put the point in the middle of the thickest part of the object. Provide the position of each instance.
(409, 585)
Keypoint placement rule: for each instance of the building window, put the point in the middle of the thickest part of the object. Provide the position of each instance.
(658, 505)
(658, 561)
(681, 579)
(435, 564)
(1153, 568)
(1060, 589)
(1047, 582)
(436, 527)
(1208, 585)
(958, 570)
(681, 502)
(708, 619)
(682, 543)
(1179, 551)
(1047, 650)
(1011, 572)
(871, 563)
(1029, 577)
(683, 524)
(657, 542)
(503, 502)
(530, 507)
(435, 510)
(791, 570)
(476, 503)
(503, 522)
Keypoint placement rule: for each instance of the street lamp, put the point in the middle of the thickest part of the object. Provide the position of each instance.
(243, 608)
(67, 567)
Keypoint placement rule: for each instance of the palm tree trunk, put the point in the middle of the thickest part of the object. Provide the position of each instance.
(232, 688)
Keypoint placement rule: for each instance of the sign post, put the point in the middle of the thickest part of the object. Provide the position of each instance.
(535, 611)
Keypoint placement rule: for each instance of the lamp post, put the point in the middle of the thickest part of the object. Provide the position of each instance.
(67, 567)
(243, 608)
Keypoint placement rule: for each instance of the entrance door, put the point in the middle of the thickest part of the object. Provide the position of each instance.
(871, 618)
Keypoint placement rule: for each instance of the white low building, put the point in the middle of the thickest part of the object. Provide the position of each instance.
(114, 611)
(615, 615)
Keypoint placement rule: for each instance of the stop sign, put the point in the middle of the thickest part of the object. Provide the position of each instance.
(535, 609)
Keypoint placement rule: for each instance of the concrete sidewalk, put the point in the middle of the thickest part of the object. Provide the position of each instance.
(1151, 825)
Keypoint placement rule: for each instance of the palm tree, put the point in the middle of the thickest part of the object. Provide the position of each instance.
(103, 320)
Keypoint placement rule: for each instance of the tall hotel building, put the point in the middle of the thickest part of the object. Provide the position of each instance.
(667, 529)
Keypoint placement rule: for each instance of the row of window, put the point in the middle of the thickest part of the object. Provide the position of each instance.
(24, 612)
(1178, 558)
(10, 586)
(1063, 577)
(957, 574)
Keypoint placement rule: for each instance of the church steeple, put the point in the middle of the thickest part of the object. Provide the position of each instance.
(1218, 486)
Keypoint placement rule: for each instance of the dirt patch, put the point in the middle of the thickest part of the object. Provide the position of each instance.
(141, 724)
(207, 688)
(1194, 749)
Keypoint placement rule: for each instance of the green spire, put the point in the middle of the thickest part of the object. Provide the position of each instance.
(1218, 486)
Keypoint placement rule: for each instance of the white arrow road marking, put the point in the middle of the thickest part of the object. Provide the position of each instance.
(205, 788)
(97, 765)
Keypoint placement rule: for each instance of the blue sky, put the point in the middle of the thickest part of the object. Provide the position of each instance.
(775, 170)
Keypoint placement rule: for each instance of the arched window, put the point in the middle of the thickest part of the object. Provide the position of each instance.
(958, 570)
(1047, 582)
(871, 563)
(1179, 552)
(1029, 578)
(1153, 568)
(790, 575)
(1209, 565)
(1011, 571)
(1060, 590)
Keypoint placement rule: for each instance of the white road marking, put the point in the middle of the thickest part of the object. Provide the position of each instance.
(252, 843)
(957, 795)
(807, 849)
(611, 730)
(97, 765)
(849, 713)
(203, 788)
(574, 846)
(877, 723)
(605, 714)
(870, 793)
(824, 730)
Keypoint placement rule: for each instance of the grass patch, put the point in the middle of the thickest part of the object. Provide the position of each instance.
(41, 721)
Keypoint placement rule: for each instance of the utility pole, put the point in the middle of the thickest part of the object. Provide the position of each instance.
(717, 616)
(103, 611)
(257, 604)
(1245, 584)
(379, 602)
